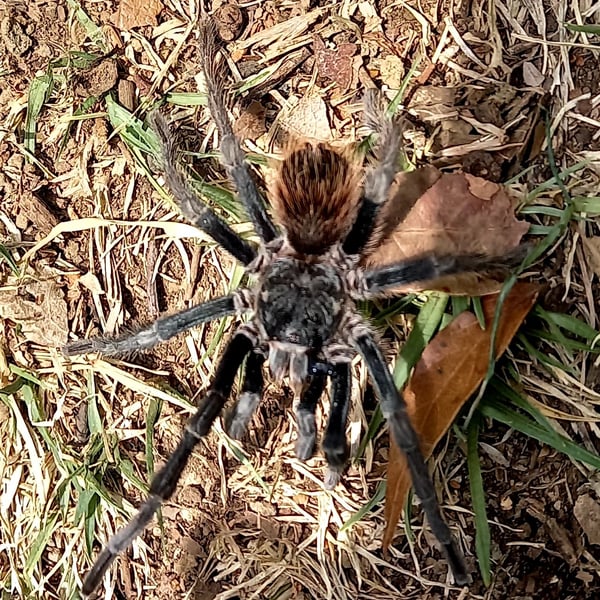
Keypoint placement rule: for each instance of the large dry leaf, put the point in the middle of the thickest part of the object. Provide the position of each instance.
(450, 369)
(591, 246)
(455, 214)
(307, 119)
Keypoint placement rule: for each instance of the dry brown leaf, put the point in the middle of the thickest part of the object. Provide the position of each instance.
(450, 369)
(556, 530)
(137, 13)
(391, 70)
(335, 65)
(458, 214)
(587, 512)
(251, 123)
(307, 119)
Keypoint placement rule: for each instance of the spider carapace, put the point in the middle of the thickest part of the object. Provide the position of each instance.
(308, 273)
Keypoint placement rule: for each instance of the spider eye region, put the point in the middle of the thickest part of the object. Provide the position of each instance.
(300, 303)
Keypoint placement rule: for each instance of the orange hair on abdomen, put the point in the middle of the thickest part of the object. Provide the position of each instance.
(316, 194)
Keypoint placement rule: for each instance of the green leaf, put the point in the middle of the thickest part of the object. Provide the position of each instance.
(359, 515)
(424, 328)
(186, 99)
(592, 29)
(41, 541)
(151, 418)
(570, 323)
(39, 92)
(94, 419)
(76, 59)
(426, 324)
(92, 30)
(7, 256)
(539, 429)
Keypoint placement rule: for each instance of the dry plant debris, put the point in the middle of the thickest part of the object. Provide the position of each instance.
(136, 13)
(450, 369)
(77, 441)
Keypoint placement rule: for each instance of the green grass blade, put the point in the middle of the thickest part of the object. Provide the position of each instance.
(426, 324)
(590, 28)
(539, 429)
(459, 304)
(28, 376)
(39, 92)
(94, 419)
(40, 543)
(544, 359)
(478, 310)
(589, 205)
(186, 99)
(143, 141)
(364, 510)
(92, 30)
(424, 328)
(7, 256)
(76, 59)
(152, 417)
(570, 323)
(482, 527)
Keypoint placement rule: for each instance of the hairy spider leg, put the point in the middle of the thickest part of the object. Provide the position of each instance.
(165, 481)
(378, 178)
(335, 445)
(157, 332)
(394, 410)
(249, 398)
(190, 205)
(305, 416)
(429, 267)
(233, 157)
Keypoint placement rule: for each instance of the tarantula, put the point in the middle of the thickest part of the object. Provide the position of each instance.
(303, 319)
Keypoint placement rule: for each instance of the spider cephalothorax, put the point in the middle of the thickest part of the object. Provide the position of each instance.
(300, 303)
(302, 313)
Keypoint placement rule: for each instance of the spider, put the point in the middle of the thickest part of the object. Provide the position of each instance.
(303, 320)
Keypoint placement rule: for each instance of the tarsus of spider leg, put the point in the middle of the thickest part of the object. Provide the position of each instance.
(232, 154)
(249, 397)
(379, 178)
(335, 445)
(165, 481)
(394, 410)
(159, 331)
(187, 200)
(431, 267)
(305, 416)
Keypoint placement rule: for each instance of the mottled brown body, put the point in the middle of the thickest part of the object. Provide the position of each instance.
(316, 195)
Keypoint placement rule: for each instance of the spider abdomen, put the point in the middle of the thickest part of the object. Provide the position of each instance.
(316, 195)
(300, 303)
